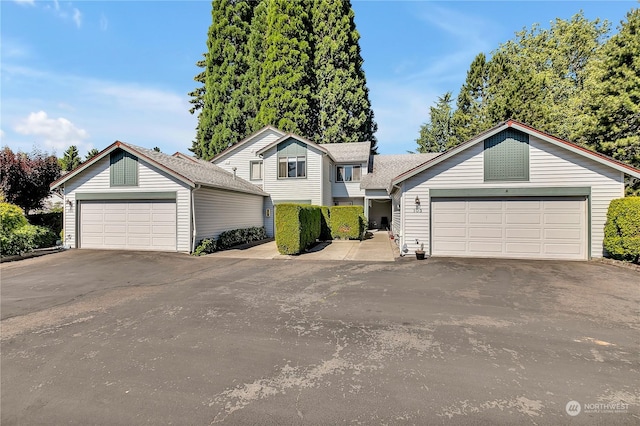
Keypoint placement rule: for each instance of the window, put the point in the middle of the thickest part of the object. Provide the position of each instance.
(123, 168)
(348, 174)
(292, 159)
(256, 170)
(506, 156)
(292, 167)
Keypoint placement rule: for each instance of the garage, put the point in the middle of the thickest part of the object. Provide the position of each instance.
(528, 227)
(128, 225)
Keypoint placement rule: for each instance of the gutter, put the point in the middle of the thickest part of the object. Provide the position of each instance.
(193, 217)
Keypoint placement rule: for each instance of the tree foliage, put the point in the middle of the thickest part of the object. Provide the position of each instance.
(91, 153)
(70, 159)
(344, 109)
(572, 80)
(294, 64)
(438, 135)
(25, 178)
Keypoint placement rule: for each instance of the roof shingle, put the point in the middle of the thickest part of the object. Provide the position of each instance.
(387, 167)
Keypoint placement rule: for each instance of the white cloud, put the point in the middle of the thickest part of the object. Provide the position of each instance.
(56, 133)
(104, 23)
(25, 2)
(77, 17)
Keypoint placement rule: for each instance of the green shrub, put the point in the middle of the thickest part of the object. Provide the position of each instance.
(25, 239)
(297, 227)
(206, 246)
(325, 224)
(622, 229)
(347, 222)
(11, 217)
(231, 238)
(51, 220)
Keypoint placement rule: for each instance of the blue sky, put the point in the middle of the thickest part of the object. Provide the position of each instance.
(92, 72)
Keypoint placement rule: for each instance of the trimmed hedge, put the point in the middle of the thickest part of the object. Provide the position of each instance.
(51, 220)
(297, 227)
(325, 223)
(347, 222)
(622, 229)
(231, 238)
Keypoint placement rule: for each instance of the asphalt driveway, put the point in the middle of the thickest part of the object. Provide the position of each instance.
(97, 337)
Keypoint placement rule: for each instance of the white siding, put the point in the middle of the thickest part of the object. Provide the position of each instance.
(308, 188)
(96, 179)
(218, 211)
(242, 157)
(550, 166)
(396, 219)
(347, 189)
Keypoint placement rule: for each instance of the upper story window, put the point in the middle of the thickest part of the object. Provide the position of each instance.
(292, 160)
(123, 168)
(256, 170)
(348, 173)
(506, 156)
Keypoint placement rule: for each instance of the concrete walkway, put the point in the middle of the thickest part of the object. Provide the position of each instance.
(378, 249)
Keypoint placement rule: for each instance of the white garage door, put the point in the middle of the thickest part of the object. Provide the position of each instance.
(538, 228)
(128, 225)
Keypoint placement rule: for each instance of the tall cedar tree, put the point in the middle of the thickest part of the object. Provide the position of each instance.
(286, 80)
(298, 67)
(470, 117)
(613, 107)
(25, 178)
(220, 120)
(344, 109)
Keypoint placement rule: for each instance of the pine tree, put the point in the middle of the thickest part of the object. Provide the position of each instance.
(250, 83)
(220, 123)
(71, 159)
(471, 115)
(92, 153)
(613, 105)
(344, 109)
(286, 79)
(437, 135)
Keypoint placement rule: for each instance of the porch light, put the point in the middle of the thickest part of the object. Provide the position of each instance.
(417, 201)
(70, 205)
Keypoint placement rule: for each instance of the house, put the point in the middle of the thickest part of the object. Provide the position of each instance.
(512, 191)
(133, 198)
(291, 168)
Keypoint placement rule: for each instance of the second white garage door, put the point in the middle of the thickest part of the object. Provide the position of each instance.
(532, 228)
(128, 225)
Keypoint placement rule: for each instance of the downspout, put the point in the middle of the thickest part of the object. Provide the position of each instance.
(193, 217)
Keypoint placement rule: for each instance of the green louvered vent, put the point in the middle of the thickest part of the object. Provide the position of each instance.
(123, 169)
(506, 156)
(291, 148)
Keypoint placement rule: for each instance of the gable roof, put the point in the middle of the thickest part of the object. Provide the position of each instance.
(306, 141)
(238, 145)
(191, 171)
(386, 167)
(349, 151)
(513, 124)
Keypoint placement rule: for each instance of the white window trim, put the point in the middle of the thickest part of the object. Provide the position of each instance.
(344, 166)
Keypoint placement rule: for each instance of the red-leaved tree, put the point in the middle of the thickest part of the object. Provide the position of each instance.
(25, 178)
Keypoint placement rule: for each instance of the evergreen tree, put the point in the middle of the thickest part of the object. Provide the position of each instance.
(197, 100)
(71, 159)
(286, 78)
(344, 109)
(92, 153)
(470, 117)
(613, 105)
(437, 135)
(220, 121)
(250, 83)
